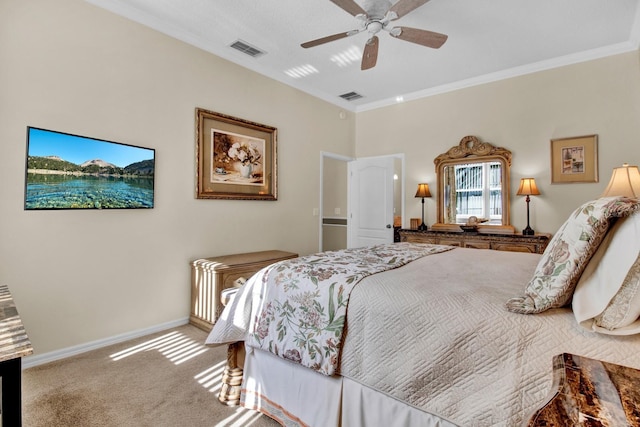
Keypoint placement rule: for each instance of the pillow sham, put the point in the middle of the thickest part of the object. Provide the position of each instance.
(622, 313)
(607, 296)
(568, 252)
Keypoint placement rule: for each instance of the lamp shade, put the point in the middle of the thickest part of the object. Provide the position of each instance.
(423, 190)
(528, 187)
(625, 181)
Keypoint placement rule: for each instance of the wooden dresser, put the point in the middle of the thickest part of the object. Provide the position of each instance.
(210, 276)
(501, 242)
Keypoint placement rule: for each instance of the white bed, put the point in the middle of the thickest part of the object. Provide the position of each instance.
(430, 343)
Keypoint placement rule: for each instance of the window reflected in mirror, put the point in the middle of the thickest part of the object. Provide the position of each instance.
(473, 189)
(473, 182)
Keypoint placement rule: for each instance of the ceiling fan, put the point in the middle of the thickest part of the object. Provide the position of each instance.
(374, 17)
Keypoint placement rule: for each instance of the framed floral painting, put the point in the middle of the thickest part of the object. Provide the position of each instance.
(235, 158)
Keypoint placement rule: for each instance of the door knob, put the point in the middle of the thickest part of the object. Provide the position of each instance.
(388, 225)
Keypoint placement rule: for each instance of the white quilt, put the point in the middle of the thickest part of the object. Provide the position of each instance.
(435, 334)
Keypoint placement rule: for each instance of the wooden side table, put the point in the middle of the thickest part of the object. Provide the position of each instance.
(588, 392)
(14, 345)
(209, 276)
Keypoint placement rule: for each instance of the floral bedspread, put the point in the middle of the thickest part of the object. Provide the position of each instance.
(302, 313)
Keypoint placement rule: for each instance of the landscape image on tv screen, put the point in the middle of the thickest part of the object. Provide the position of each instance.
(67, 171)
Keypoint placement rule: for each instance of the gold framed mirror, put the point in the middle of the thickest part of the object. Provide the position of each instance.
(473, 188)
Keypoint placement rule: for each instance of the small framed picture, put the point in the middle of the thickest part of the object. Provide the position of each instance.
(574, 159)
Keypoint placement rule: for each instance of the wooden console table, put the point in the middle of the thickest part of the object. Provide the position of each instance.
(14, 345)
(210, 276)
(588, 392)
(502, 242)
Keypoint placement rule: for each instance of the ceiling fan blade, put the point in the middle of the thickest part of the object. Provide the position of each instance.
(349, 6)
(327, 39)
(405, 6)
(421, 37)
(370, 55)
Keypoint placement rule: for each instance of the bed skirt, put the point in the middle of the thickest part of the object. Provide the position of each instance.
(296, 396)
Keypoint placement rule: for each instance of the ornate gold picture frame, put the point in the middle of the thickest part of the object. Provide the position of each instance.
(235, 158)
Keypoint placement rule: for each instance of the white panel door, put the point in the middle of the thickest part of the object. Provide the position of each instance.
(370, 203)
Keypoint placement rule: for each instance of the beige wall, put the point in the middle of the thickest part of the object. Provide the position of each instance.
(334, 187)
(81, 276)
(334, 237)
(334, 196)
(522, 114)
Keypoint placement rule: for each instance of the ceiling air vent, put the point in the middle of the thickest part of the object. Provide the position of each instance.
(351, 96)
(247, 49)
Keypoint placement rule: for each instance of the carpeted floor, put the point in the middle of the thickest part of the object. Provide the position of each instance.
(166, 379)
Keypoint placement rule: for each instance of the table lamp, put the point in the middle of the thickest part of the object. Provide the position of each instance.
(625, 181)
(528, 188)
(423, 191)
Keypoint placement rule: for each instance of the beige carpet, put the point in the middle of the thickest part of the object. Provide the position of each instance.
(165, 379)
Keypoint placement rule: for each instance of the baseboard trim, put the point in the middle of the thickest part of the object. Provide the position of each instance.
(40, 359)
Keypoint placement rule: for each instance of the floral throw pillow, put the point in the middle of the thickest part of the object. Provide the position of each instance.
(567, 254)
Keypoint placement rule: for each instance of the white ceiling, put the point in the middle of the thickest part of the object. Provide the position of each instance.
(488, 40)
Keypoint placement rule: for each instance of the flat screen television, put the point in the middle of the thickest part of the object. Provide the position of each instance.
(65, 171)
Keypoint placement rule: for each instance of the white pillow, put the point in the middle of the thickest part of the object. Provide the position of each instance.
(607, 296)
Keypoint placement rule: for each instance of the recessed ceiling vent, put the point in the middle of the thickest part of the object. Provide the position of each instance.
(247, 49)
(351, 96)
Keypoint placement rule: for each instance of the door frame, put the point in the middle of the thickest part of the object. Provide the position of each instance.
(323, 156)
(401, 178)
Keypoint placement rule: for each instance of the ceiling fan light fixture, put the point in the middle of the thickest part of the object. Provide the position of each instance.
(374, 27)
(391, 16)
